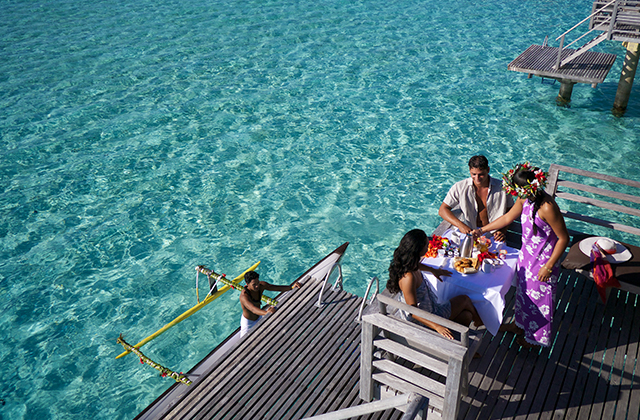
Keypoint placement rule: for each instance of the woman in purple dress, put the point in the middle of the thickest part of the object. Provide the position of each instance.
(544, 240)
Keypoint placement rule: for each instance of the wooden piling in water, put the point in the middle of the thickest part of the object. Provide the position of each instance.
(627, 75)
(566, 89)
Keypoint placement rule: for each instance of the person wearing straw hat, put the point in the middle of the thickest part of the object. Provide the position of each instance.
(544, 240)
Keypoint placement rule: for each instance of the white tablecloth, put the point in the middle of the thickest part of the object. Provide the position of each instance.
(486, 290)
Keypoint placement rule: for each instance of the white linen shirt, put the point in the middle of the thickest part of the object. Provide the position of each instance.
(462, 195)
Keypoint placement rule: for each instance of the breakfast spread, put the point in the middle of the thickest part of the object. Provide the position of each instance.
(466, 265)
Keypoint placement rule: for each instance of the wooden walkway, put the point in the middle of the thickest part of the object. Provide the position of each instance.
(591, 67)
(304, 360)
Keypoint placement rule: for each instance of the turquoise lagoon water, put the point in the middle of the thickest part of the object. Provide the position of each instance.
(140, 139)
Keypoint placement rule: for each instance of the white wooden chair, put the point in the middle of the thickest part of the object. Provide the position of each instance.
(398, 356)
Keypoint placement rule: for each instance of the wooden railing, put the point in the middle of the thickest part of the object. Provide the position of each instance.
(565, 189)
(626, 17)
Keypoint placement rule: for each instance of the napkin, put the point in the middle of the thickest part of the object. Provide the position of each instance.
(602, 272)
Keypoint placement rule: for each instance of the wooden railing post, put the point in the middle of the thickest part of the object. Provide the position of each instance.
(557, 67)
(366, 361)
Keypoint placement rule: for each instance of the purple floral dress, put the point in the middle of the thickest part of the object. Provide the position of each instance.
(534, 299)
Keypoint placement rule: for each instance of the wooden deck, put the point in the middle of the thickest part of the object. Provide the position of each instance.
(591, 67)
(590, 372)
(304, 360)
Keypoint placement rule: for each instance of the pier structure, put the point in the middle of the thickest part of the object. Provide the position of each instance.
(327, 354)
(304, 361)
(613, 20)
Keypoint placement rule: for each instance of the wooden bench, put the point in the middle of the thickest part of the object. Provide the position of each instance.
(614, 203)
(398, 356)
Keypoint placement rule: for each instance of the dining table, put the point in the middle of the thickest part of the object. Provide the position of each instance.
(487, 290)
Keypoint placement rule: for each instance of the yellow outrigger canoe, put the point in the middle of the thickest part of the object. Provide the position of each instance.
(207, 300)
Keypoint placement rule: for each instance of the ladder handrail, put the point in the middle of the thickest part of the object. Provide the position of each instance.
(580, 37)
(337, 285)
(366, 294)
(559, 61)
(587, 18)
(410, 399)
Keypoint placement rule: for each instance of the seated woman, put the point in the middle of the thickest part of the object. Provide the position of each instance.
(406, 278)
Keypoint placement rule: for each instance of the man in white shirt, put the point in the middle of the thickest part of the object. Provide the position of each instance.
(477, 200)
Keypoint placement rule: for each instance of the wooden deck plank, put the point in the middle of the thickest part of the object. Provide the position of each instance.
(631, 383)
(541, 362)
(531, 362)
(491, 384)
(520, 373)
(573, 384)
(625, 402)
(615, 397)
(319, 341)
(618, 338)
(334, 402)
(601, 359)
(493, 347)
(499, 348)
(189, 407)
(497, 399)
(554, 374)
(337, 389)
(316, 341)
(250, 349)
(338, 340)
(584, 362)
(536, 392)
(181, 407)
(331, 387)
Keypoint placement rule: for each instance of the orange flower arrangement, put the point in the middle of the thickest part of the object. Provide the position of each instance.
(436, 243)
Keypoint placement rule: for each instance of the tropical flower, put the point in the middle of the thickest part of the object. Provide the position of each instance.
(530, 190)
(436, 243)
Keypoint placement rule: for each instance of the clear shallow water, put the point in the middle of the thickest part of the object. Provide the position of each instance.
(140, 139)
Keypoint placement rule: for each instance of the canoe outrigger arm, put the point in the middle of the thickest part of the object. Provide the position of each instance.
(164, 372)
(220, 278)
(213, 295)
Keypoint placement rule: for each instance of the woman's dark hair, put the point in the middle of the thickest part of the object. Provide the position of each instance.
(522, 178)
(406, 257)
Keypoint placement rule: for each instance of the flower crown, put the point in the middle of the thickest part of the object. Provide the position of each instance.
(526, 191)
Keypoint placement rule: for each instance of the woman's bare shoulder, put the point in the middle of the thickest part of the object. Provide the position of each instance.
(548, 207)
(407, 280)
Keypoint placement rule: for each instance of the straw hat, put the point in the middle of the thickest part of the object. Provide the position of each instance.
(614, 251)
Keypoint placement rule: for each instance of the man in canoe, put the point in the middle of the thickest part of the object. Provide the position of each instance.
(250, 299)
(479, 198)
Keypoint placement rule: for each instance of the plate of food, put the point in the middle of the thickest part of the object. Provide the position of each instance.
(466, 265)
